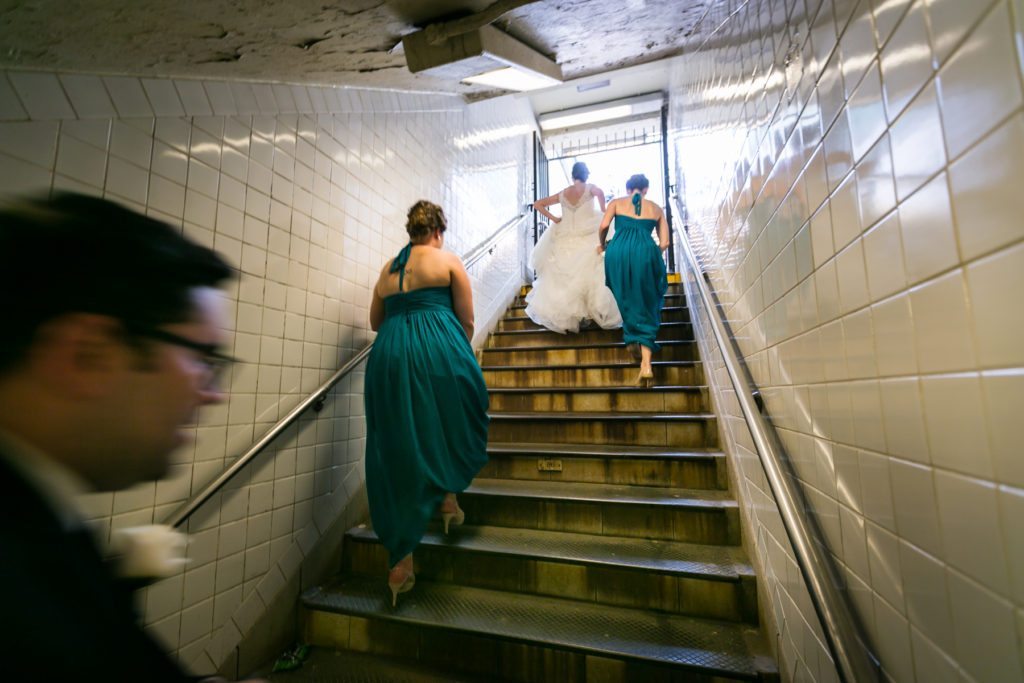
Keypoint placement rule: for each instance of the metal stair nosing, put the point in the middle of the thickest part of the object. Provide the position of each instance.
(568, 450)
(670, 558)
(608, 494)
(689, 643)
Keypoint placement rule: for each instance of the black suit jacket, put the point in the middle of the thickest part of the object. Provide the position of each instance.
(63, 615)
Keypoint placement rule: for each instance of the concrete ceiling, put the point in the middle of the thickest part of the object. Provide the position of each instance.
(334, 42)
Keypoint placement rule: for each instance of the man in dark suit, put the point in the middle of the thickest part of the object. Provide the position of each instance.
(109, 344)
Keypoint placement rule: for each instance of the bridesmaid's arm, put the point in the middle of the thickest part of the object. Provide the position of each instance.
(663, 241)
(376, 311)
(541, 205)
(606, 222)
(462, 296)
(377, 302)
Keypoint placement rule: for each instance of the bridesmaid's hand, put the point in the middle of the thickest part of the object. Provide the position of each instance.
(600, 249)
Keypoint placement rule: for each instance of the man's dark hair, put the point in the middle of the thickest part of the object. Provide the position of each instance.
(78, 254)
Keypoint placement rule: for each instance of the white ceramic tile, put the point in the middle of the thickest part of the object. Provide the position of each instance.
(166, 196)
(170, 163)
(930, 664)
(221, 100)
(986, 642)
(950, 23)
(852, 278)
(876, 490)
(941, 324)
(998, 315)
(954, 415)
(866, 113)
(883, 258)
(913, 492)
(130, 144)
(894, 336)
(916, 151)
(10, 106)
(127, 181)
(82, 162)
(34, 142)
(971, 529)
(193, 97)
(906, 61)
(893, 641)
(174, 132)
(1004, 393)
(163, 98)
(128, 96)
(1011, 509)
(929, 242)
(42, 95)
(88, 96)
(983, 183)
(979, 77)
(876, 195)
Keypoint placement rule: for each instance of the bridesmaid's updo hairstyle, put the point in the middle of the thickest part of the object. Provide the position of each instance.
(637, 182)
(423, 219)
(580, 171)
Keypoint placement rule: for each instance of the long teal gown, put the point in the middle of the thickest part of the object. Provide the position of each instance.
(635, 272)
(426, 413)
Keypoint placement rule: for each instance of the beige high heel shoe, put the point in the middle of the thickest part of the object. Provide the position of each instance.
(449, 516)
(645, 379)
(401, 579)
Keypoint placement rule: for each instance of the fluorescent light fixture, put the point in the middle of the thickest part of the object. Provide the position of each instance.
(596, 85)
(511, 78)
(606, 111)
(484, 56)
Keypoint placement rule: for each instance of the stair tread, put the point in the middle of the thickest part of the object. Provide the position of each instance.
(664, 323)
(603, 493)
(598, 450)
(700, 644)
(326, 665)
(596, 389)
(714, 562)
(578, 416)
(583, 366)
(598, 345)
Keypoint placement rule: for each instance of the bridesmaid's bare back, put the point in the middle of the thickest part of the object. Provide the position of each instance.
(427, 267)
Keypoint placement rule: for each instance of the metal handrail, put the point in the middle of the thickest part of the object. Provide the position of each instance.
(843, 633)
(315, 399)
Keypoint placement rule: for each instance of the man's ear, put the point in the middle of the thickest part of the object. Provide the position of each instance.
(79, 353)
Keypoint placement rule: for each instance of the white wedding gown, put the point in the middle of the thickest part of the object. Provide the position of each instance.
(570, 273)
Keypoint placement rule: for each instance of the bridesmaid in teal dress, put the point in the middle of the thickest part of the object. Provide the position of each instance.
(635, 270)
(426, 402)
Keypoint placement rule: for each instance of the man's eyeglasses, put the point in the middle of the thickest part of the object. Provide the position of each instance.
(209, 355)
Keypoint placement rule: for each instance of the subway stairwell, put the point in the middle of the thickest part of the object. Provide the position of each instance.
(601, 541)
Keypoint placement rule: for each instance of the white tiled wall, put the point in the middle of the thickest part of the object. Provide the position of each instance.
(305, 190)
(852, 174)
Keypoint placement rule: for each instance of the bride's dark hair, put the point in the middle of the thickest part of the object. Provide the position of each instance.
(580, 171)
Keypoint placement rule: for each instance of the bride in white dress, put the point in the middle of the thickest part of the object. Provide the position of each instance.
(570, 272)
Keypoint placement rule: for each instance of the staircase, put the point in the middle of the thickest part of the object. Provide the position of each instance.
(601, 541)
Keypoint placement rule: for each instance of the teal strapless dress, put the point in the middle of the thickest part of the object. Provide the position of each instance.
(635, 272)
(426, 415)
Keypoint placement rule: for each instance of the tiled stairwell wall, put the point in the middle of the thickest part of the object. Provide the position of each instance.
(852, 174)
(305, 189)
